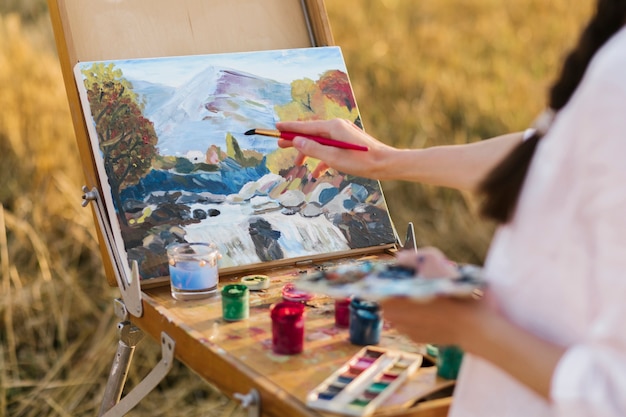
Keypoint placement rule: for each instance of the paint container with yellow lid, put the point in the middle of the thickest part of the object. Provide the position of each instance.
(256, 282)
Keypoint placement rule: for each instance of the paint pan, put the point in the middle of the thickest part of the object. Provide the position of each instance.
(363, 383)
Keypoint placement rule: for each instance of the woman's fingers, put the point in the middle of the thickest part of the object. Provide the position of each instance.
(429, 262)
(326, 128)
(319, 169)
(299, 159)
(365, 164)
(284, 143)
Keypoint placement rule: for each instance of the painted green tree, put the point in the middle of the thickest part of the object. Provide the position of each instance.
(126, 138)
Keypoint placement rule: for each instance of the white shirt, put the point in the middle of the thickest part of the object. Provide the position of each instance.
(559, 268)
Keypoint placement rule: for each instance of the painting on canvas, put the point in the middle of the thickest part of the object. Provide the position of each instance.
(168, 135)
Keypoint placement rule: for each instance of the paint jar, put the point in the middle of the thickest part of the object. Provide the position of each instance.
(291, 293)
(235, 302)
(342, 312)
(256, 282)
(287, 327)
(366, 322)
(449, 359)
(193, 270)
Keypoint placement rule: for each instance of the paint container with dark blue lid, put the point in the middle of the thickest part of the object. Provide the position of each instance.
(366, 322)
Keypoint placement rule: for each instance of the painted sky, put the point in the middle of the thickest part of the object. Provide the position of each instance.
(180, 118)
(278, 65)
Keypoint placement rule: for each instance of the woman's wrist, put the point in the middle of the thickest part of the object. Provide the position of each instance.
(479, 335)
(395, 164)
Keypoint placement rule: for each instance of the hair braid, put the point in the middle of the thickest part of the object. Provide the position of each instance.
(502, 186)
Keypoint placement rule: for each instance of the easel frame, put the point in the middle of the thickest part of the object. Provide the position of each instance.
(81, 35)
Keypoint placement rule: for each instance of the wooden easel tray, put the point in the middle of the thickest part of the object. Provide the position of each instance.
(243, 349)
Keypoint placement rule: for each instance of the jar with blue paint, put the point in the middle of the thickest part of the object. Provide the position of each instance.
(366, 322)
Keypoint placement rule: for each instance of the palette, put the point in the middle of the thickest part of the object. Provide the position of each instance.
(378, 280)
(362, 385)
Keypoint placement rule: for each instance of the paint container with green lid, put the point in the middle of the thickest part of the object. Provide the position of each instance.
(235, 302)
(449, 359)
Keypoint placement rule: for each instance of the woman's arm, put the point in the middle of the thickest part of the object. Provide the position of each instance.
(455, 166)
(477, 326)
(481, 331)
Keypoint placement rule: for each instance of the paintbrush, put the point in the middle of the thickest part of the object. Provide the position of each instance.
(318, 139)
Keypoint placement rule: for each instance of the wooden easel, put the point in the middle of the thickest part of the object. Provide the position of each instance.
(106, 30)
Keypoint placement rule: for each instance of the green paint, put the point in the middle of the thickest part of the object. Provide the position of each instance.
(377, 387)
(235, 302)
(360, 402)
(449, 361)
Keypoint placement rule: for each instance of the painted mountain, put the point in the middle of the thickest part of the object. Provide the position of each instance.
(168, 135)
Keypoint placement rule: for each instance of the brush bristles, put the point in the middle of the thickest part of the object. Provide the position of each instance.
(264, 132)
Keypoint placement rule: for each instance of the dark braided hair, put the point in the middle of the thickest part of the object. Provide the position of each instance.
(502, 186)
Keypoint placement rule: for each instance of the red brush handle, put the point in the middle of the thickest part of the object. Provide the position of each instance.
(325, 141)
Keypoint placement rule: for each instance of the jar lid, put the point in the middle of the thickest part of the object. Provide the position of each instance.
(256, 282)
(361, 304)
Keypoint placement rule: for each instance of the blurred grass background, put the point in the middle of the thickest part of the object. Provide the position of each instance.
(424, 73)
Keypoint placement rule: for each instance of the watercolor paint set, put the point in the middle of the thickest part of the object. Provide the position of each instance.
(363, 383)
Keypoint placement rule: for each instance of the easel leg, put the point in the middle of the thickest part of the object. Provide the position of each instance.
(113, 405)
(129, 336)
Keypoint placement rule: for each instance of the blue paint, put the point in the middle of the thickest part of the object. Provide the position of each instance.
(359, 192)
(193, 276)
(330, 393)
(229, 179)
(345, 379)
(326, 395)
(193, 270)
(349, 204)
(365, 322)
(328, 194)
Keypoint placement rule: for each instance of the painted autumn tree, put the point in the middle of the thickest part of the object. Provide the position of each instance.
(327, 98)
(335, 85)
(330, 97)
(126, 138)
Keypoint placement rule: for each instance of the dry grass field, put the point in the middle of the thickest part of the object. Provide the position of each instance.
(424, 72)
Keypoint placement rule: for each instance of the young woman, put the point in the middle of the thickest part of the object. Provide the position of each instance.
(548, 338)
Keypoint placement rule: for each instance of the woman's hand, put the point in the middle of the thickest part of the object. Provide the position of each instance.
(369, 164)
(443, 320)
(428, 262)
(457, 166)
(478, 326)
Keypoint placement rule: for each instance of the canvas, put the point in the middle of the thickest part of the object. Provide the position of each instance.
(168, 135)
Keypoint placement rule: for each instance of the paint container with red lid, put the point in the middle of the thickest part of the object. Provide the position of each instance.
(287, 327)
(342, 312)
(291, 293)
